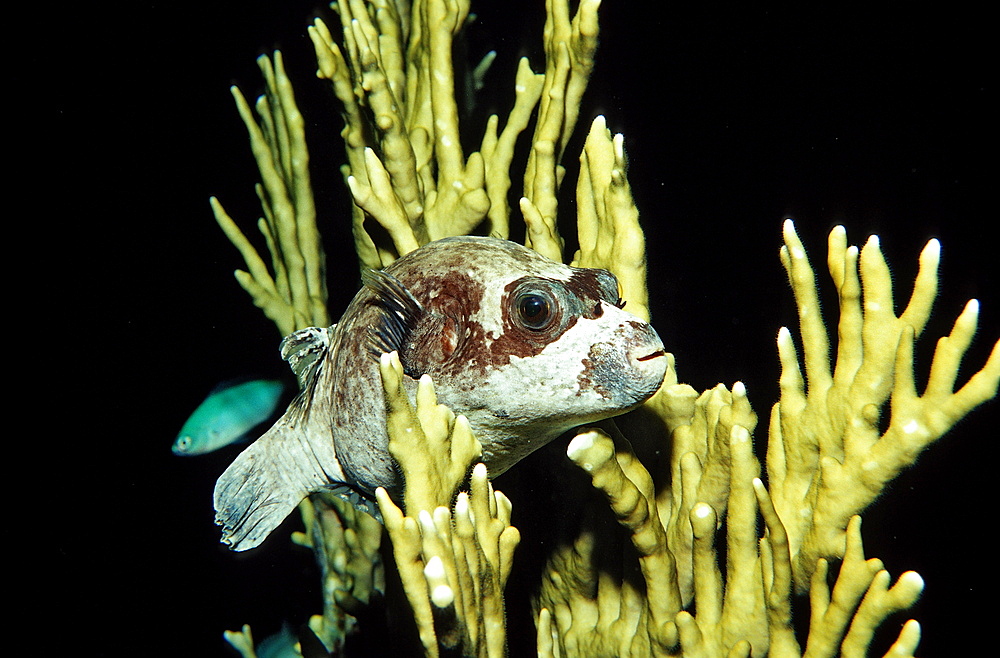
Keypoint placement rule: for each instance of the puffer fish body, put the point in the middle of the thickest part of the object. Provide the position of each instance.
(227, 415)
(524, 347)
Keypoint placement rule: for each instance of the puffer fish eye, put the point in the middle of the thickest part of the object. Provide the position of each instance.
(534, 310)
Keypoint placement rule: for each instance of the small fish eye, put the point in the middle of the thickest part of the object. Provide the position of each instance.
(184, 443)
(534, 310)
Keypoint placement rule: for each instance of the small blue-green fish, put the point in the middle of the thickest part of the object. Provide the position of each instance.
(227, 415)
(280, 645)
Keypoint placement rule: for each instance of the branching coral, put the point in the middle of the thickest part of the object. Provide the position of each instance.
(827, 459)
(406, 169)
(294, 296)
(836, 437)
(453, 560)
(712, 469)
(673, 538)
(749, 609)
(346, 543)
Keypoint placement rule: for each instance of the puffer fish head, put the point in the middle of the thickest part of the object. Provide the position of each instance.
(524, 347)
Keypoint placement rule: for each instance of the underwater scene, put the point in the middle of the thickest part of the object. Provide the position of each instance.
(680, 394)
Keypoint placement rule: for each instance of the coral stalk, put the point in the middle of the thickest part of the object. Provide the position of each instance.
(827, 458)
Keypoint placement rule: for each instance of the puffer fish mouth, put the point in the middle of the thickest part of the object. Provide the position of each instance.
(647, 365)
(649, 368)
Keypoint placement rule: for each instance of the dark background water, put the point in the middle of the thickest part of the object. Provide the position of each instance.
(878, 116)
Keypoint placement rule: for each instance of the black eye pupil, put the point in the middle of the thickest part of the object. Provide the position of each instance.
(534, 310)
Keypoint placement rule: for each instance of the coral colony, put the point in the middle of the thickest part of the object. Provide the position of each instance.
(836, 436)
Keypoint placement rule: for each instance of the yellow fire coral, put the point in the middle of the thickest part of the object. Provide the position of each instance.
(837, 460)
(836, 436)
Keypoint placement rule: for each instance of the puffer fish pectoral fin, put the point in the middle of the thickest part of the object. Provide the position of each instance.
(266, 482)
(304, 350)
(400, 312)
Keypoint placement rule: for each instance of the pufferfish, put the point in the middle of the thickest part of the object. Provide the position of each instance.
(524, 347)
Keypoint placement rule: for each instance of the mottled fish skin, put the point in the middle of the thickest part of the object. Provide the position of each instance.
(227, 415)
(525, 347)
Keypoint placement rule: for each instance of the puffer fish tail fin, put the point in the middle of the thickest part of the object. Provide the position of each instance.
(271, 477)
(292, 459)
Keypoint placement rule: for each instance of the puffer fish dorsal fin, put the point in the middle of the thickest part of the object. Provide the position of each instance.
(400, 312)
(304, 351)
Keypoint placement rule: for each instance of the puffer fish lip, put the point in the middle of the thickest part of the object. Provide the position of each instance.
(649, 362)
(652, 355)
